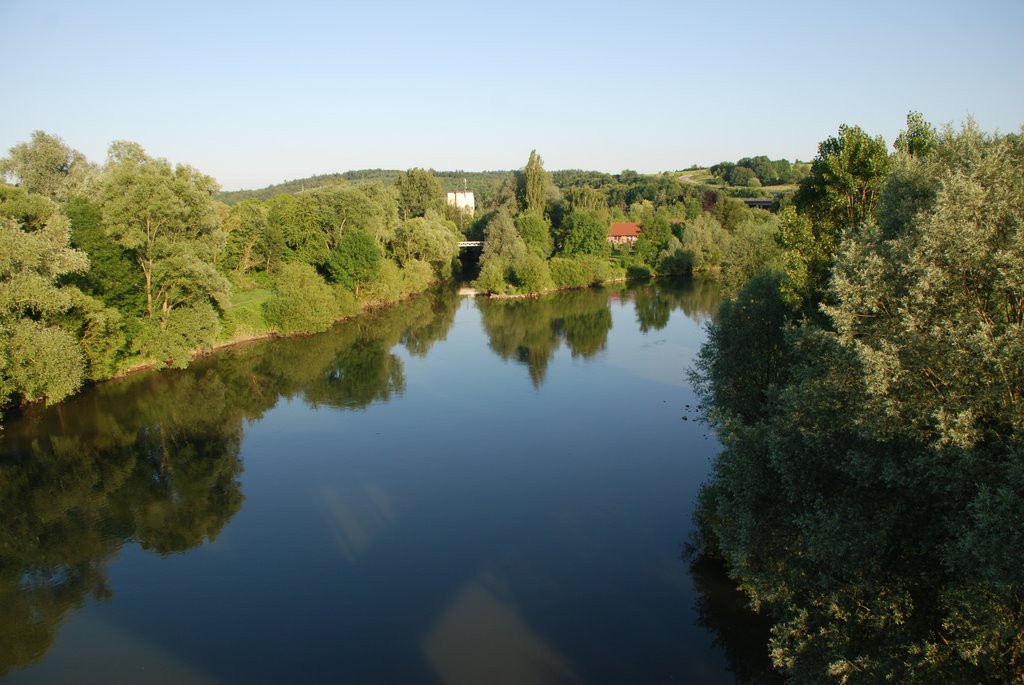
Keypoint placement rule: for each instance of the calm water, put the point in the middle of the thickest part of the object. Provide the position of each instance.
(451, 491)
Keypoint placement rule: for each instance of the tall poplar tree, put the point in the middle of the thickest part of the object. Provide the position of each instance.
(535, 183)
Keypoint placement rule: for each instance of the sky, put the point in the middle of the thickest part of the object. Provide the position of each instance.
(258, 93)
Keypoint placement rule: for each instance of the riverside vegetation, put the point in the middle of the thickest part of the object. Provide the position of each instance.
(867, 383)
(139, 262)
(865, 376)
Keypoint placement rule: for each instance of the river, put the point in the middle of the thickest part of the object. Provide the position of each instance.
(447, 491)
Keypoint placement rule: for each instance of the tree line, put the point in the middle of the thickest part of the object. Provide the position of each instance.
(754, 172)
(137, 261)
(545, 231)
(866, 381)
(106, 267)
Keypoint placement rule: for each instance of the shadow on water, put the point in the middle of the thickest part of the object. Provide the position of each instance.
(742, 634)
(154, 459)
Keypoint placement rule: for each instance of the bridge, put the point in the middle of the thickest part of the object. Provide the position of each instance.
(470, 243)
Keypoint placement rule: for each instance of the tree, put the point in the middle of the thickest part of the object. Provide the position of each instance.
(39, 358)
(845, 182)
(430, 239)
(920, 137)
(534, 183)
(870, 498)
(535, 230)
(302, 302)
(655, 232)
(418, 191)
(46, 166)
(355, 261)
(704, 242)
(583, 233)
(753, 247)
(743, 176)
(113, 275)
(247, 229)
(163, 217)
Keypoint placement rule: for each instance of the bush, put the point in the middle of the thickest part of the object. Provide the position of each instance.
(172, 342)
(580, 272)
(532, 275)
(492, 276)
(302, 302)
(418, 275)
(389, 286)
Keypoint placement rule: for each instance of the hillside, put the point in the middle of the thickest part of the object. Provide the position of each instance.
(483, 183)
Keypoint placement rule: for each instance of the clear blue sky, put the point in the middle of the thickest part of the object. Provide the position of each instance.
(256, 93)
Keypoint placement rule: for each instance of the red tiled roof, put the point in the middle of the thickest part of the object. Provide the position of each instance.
(624, 230)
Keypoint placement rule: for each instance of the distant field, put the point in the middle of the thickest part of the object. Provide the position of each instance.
(696, 175)
(705, 176)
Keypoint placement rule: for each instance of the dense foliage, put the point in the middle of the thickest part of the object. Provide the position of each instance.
(140, 261)
(866, 383)
(136, 262)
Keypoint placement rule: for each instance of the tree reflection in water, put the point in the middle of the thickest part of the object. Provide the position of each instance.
(531, 330)
(155, 459)
(742, 634)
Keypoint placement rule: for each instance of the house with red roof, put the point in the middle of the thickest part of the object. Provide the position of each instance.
(623, 233)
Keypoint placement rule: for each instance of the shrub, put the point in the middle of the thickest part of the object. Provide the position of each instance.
(302, 302)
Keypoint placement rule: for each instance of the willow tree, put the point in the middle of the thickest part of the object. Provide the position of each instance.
(870, 497)
(47, 166)
(39, 358)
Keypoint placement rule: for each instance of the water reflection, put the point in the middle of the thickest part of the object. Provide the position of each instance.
(531, 330)
(77, 482)
(155, 460)
(481, 639)
(355, 515)
(742, 634)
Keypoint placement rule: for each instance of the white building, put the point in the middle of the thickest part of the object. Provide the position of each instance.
(463, 199)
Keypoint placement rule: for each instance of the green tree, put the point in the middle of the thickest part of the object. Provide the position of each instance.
(247, 228)
(429, 239)
(302, 301)
(113, 275)
(583, 233)
(535, 230)
(585, 198)
(655, 232)
(39, 358)
(418, 190)
(743, 176)
(870, 495)
(533, 184)
(918, 139)
(46, 166)
(704, 242)
(503, 248)
(844, 184)
(355, 261)
(164, 218)
(753, 247)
